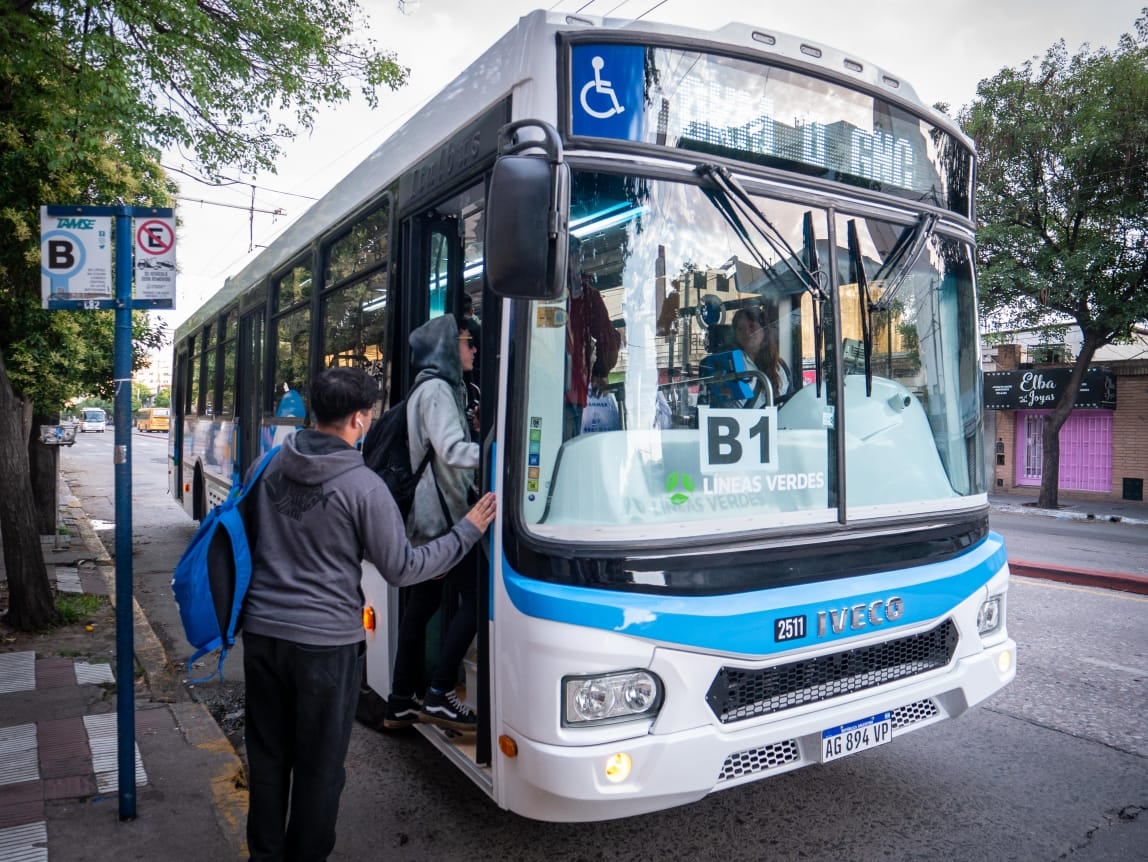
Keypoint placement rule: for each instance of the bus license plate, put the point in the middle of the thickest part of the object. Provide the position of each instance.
(857, 736)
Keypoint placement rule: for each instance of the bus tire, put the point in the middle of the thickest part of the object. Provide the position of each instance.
(198, 497)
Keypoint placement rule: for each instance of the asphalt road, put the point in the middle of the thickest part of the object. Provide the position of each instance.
(1098, 545)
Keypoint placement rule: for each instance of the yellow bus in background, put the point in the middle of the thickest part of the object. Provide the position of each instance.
(152, 419)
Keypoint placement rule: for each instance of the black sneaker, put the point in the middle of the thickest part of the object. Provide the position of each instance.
(401, 712)
(446, 710)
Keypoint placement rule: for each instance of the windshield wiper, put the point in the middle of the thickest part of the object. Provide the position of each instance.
(893, 272)
(809, 241)
(734, 203)
(902, 259)
(857, 275)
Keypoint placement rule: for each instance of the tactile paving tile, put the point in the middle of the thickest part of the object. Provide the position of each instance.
(27, 843)
(17, 671)
(93, 674)
(18, 760)
(102, 740)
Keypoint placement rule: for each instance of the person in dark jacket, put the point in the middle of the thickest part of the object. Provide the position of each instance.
(437, 417)
(315, 514)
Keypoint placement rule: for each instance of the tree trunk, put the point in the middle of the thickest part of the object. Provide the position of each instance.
(44, 469)
(30, 603)
(1050, 465)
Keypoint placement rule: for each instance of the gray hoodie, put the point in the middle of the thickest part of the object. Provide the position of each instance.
(313, 516)
(436, 415)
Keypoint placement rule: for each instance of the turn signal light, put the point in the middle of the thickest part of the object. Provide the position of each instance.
(507, 746)
(369, 618)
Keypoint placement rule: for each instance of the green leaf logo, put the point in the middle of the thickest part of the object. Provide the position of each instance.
(676, 484)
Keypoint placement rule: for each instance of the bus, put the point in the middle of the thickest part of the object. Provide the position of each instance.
(93, 419)
(153, 419)
(712, 563)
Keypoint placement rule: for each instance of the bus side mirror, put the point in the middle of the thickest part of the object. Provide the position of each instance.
(527, 217)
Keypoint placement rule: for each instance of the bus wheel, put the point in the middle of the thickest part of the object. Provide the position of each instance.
(198, 497)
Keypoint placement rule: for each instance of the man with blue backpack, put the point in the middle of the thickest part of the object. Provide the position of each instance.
(312, 516)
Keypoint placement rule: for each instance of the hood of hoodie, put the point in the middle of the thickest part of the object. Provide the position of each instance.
(434, 350)
(309, 457)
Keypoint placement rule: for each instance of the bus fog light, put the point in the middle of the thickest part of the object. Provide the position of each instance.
(610, 697)
(618, 767)
(1004, 660)
(989, 616)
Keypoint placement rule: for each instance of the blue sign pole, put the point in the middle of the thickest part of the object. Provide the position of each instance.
(125, 646)
(72, 249)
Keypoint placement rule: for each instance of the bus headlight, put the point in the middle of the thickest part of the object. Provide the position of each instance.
(989, 615)
(605, 698)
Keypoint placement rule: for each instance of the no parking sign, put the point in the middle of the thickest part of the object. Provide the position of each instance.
(155, 260)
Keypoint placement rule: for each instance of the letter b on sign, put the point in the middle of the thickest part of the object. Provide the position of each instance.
(721, 441)
(61, 254)
(743, 441)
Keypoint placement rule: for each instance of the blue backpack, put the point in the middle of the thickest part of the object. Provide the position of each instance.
(212, 576)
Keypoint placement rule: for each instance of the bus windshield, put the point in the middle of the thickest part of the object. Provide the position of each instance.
(675, 388)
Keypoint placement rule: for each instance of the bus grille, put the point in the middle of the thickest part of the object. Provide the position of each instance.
(754, 760)
(740, 693)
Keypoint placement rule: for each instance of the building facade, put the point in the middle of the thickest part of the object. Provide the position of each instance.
(1103, 444)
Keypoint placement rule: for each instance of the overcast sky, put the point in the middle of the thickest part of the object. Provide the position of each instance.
(942, 49)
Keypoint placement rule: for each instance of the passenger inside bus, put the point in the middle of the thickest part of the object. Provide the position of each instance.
(592, 342)
(441, 352)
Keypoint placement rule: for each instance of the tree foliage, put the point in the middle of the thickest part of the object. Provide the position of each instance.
(1062, 201)
(90, 94)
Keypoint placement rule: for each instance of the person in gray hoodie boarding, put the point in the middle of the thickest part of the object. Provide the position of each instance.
(316, 512)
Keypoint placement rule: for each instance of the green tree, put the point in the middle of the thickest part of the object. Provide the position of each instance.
(90, 94)
(1062, 202)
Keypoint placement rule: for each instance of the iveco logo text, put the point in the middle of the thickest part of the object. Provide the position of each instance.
(860, 616)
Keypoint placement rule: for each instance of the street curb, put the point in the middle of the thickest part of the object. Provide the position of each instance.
(1081, 577)
(194, 720)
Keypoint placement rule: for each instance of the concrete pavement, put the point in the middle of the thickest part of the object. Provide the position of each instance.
(58, 793)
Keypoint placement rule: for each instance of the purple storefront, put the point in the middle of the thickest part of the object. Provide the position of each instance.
(1103, 443)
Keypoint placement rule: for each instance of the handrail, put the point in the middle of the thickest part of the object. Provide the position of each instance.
(756, 373)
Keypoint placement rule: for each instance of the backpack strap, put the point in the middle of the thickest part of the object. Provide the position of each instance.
(441, 500)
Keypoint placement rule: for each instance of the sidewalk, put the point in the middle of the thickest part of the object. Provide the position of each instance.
(1133, 512)
(58, 767)
(1129, 512)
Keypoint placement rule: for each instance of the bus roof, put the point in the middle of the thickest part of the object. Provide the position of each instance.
(513, 59)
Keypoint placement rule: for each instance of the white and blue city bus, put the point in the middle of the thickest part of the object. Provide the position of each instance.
(733, 571)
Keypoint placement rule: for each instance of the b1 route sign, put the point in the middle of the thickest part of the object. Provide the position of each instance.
(154, 241)
(75, 259)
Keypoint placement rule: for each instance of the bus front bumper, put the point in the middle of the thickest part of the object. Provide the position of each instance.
(570, 784)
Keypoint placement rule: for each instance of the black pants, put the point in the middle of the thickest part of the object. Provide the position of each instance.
(300, 709)
(422, 600)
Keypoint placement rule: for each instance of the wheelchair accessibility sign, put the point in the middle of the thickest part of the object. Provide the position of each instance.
(608, 91)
